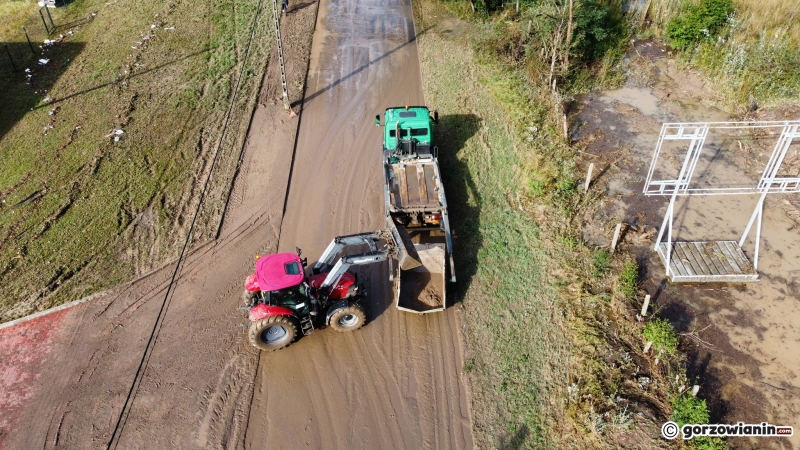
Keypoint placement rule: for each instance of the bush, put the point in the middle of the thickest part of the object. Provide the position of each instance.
(661, 333)
(598, 30)
(698, 21)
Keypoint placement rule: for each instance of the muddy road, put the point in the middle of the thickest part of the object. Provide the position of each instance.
(107, 372)
(396, 382)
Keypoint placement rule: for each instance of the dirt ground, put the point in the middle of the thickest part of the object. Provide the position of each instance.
(66, 377)
(742, 339)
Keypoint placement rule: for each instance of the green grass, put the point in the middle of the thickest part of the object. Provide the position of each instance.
(516, 355)
(601, 262)
(81, 212)
(629, 279)
(663, 337)
(689, 409)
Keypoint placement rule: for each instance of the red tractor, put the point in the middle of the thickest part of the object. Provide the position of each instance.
(283, 301)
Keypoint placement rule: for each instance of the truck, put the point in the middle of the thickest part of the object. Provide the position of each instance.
(415, 203)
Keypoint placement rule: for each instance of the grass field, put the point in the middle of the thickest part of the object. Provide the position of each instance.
(81, 207)
(515, 351)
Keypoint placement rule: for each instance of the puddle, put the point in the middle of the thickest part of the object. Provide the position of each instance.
(640, 98)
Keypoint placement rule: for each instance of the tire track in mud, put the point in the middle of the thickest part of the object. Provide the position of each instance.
(396, 382)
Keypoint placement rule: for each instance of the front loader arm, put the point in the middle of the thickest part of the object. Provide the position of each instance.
(338, 243)
(355, 260)
(396, 242)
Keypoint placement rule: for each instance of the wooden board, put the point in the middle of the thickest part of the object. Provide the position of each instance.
(706, 262)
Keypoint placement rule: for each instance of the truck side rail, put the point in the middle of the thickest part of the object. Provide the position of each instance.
(446, 223)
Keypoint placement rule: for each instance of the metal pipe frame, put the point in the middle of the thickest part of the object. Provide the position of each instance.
(696, 134)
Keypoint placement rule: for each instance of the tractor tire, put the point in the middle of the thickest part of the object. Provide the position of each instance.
(273, 332)
(349, 318)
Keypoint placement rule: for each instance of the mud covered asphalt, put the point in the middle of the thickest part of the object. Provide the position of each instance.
(393, 384)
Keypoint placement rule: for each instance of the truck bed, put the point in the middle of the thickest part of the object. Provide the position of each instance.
(413, 185)
(422, 289)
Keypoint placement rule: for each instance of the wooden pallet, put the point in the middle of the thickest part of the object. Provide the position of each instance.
(707, 262)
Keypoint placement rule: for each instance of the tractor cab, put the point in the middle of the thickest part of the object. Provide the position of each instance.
(279, 271)
(279, 280)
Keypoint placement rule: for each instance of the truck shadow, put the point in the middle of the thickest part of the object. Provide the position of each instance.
(463, 198)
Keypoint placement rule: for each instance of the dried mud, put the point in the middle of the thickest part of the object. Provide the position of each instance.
(396, 383)
(742, 339)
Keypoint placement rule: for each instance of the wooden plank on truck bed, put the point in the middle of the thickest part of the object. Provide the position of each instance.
(430, 183)
(412, 181)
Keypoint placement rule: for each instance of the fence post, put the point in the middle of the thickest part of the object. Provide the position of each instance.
(52, 25)
(29, 41)
(43, 21)
(616, 237)
(10, 58)
(588, 178)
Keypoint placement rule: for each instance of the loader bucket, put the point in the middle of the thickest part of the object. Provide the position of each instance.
(407, 255)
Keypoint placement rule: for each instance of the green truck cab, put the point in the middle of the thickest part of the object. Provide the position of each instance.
(413, 125)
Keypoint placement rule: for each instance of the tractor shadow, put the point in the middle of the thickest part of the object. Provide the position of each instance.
(463, 199)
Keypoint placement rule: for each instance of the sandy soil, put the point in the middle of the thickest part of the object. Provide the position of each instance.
(742, 339)
(394, 384)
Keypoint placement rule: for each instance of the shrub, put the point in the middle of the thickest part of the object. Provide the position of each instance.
(598, 30)
(689, 409)
(698, 21)
(661, 333)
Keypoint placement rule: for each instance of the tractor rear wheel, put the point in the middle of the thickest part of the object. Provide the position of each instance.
(273, 332)
(349, 318)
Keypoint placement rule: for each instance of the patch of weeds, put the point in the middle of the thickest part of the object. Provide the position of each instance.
(469, 365)
(537, 188)
(661, 333)
(601, 262)
(629, 278)
(687, 409)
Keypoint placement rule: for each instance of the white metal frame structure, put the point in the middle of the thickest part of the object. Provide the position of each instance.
(716, 260)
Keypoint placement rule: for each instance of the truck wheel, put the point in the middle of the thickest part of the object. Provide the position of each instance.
(273, 332)
(349, 318)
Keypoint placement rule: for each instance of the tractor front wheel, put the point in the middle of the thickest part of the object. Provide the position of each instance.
(349, 318)
(273, 332)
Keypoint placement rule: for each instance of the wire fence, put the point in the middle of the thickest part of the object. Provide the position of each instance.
(25, 49)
